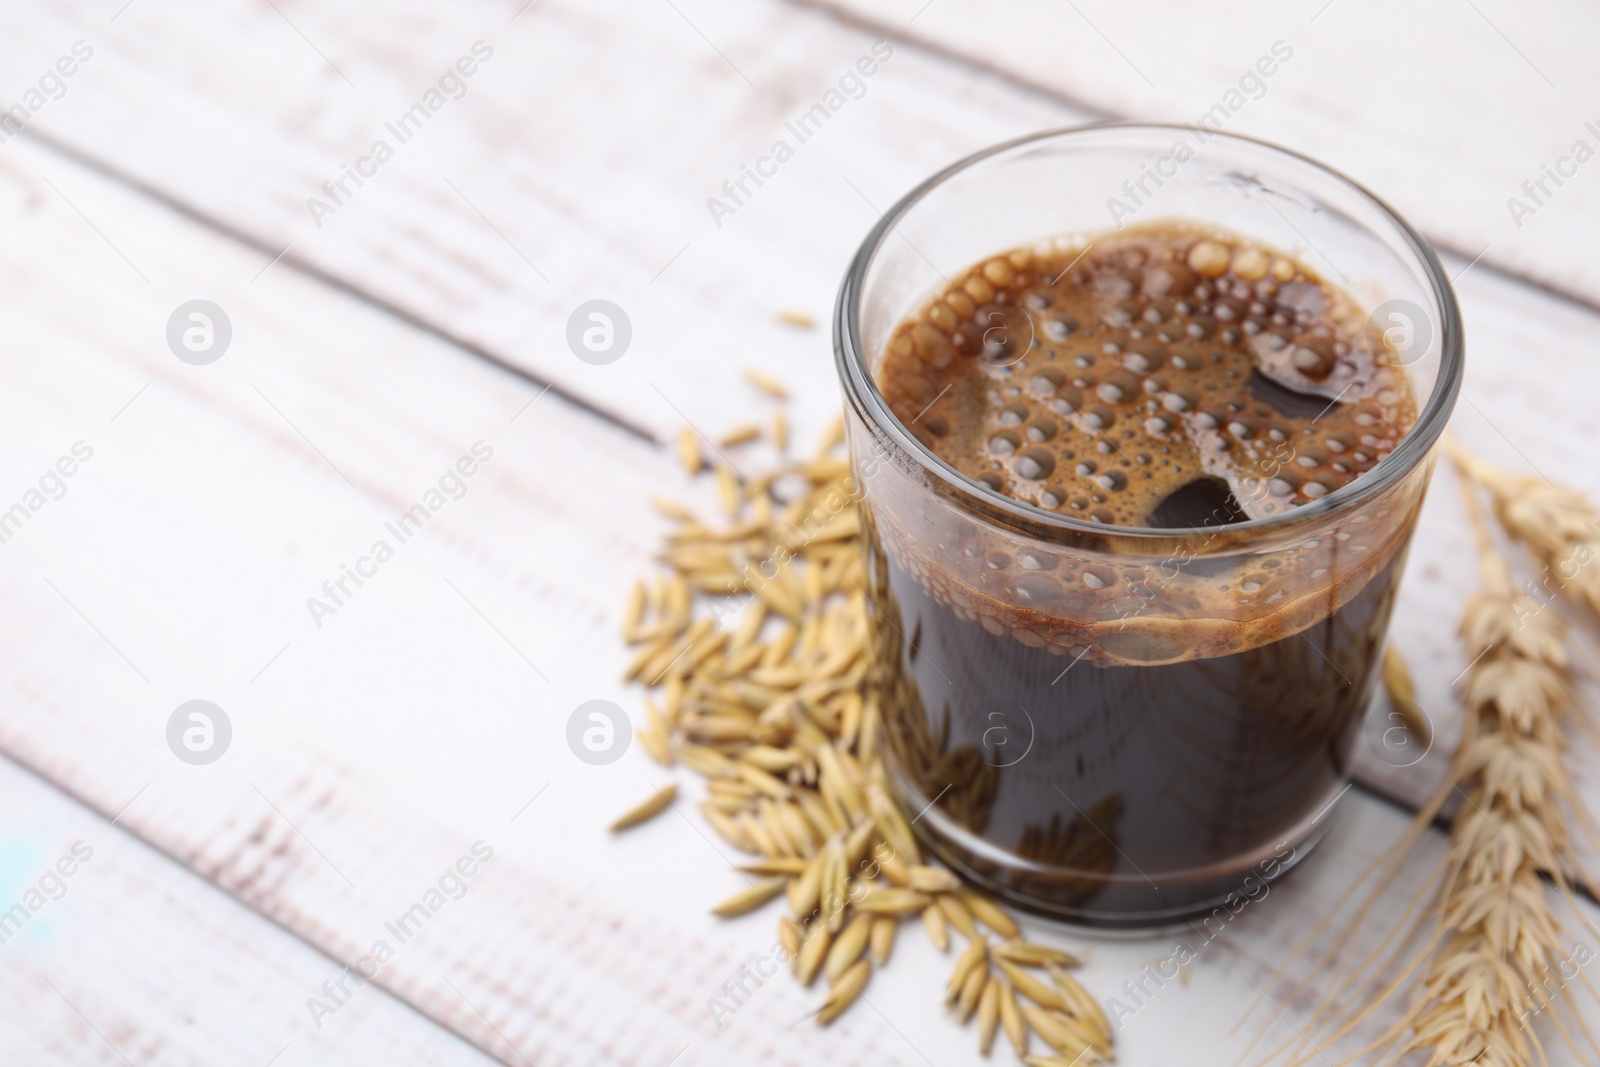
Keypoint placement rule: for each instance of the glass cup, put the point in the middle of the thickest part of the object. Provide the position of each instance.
(1126, 726)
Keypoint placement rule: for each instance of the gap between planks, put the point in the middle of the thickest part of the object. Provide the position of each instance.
(81, 801)
(417, 321)
(117, 175)
(188, 211)
(1041, 91)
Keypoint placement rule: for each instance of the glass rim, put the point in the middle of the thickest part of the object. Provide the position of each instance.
(864, 395)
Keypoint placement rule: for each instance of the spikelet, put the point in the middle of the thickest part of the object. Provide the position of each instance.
(1557, 523)
(1490, 940)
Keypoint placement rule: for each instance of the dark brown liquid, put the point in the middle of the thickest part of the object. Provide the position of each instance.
(1100, 742)
(1130, 781)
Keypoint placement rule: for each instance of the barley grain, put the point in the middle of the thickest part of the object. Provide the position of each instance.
(805, 891)
(707, 761)
(1059, 1032)
(797, 829)
(884, 928)
(895, 869)
(740, 435)
(973, 958)
(643, 658)
(932, 880)
(958, 915)
(723, 788)
(812, 953)
(647, 809)
(988, 1015)
(633, 612)
(892, 824)
(1015, 1026)
(771, 760)
(938, 929)
(848, 946)
(766, 383)
(756, 832)
(763, 782)
(750, 897)
(789, 937)
(653, 736)
(1079, 1004)
(892, 901)
(728, 489)
(843, 992)
(689, 451)
(1029, 986)
(1034, 955)
(971, 990)
(859, 843)
(989, 913)
(767, 815)
(672, 509)
(1403, 695)
(726, 828)
(788, 866)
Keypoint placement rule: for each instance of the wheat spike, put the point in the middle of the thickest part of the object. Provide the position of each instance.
(1558, 523)
(1498, 933)
(1491, 935)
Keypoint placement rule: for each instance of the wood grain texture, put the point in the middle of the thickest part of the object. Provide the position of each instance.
(784, 248)
(373, 752)
(1445, 109)
(131, 959)
(429, 712)
(577, 166)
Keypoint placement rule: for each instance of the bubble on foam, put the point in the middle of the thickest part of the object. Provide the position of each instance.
(1275, 408)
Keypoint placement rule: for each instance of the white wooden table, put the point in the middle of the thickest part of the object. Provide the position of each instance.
(374, 344)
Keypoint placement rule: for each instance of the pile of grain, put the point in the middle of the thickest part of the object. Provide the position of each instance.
(755, 641)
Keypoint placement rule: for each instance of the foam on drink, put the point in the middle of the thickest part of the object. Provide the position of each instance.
(1162, 376)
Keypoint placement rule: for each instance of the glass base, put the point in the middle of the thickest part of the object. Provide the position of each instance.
(1116, 902)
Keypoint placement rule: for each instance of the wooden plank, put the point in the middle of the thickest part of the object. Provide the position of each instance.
(566, 173)
(179, 563)
(428, 713)
(414, 722)
(1444, 109)
(578, 201)
(917, 114)
(1524, 421)
(128, 958)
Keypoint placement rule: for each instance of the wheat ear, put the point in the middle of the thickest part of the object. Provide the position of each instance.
(1490, 943)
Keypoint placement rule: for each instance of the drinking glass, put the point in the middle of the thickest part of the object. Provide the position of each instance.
(1127, 726)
